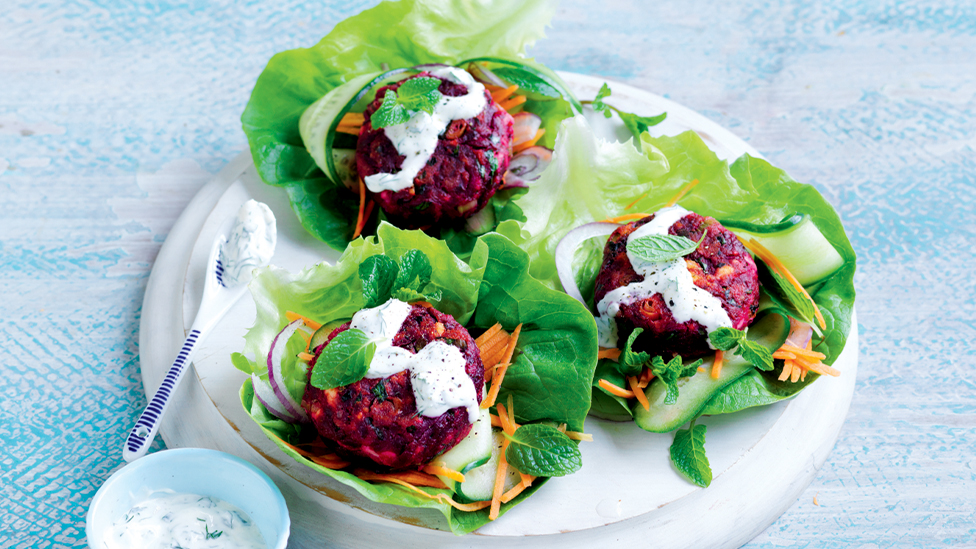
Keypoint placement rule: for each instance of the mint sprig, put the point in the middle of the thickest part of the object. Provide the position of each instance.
(413, 96)
(688, 454)
(657, 248)
(635, 123)
(670, 372)
(542, 451)
(344, 360)
(726, 339)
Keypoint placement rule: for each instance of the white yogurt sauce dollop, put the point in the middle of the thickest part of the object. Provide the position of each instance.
(189, 521)
(251, 244)
(437, 373)
(671, 279)
(416, 138)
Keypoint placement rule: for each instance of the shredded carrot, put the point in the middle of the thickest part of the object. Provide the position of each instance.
(701, 369)
(503, 93)
(625, 218)
(354, 130)
(526, 479)
(483, 338)
(612, 354)
(416, 478)
(717, 365)
(514, 492)
(499, 373)
(795, 375)
(616, 391)
(635, 387)
(775, 264)
(292, 317)
(530, 143)
(799, 351)
(784, 355)
(495, 421)
(815, 499)
(329, 462)
(362, 206)
(437, 469)
(787, 370)
(639, 198)
(646, 376)
(353, 119)
(512, 102)
(684, 190)
(817, 367)
(307, 357)
(500, 474)
(466, 507)
(366, 214)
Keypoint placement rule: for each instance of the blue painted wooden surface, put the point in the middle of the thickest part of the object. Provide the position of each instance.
(112, 115)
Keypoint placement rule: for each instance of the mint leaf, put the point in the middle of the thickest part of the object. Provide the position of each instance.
(543, 451)
(344, 360)
(420, 94)
(598, 105)
(378, 274)
(688, 455)
(724, 338)
(759, 356)
(415, 271)
(390, 113)
(657, 248)
(799, 302)
(632, 363)
(639, 124)
(526, 81)
(669, 373)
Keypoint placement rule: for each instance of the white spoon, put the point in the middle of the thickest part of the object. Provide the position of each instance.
(229, 268)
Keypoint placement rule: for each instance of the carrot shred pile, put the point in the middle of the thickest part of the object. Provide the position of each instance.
(351, 123)
(797, 361)
(615, 390)
(638, 392)
(293, 316)
(499, 367)
(774, 263)
(307, 357)
(530, 143)
(612, 353)
(443, 470)
(364, 210)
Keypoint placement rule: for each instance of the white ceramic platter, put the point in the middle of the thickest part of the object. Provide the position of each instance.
(627, 491)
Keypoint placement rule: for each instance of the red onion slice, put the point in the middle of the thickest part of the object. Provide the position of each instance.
(266, 396)
(566, 249)
(275, 355)
(527, 166)
(526, 126)
(800, 333)
(485, 76)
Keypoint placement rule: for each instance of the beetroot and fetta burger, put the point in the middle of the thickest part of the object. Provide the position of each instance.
(438, 163)
(419, 397)
(677, 302)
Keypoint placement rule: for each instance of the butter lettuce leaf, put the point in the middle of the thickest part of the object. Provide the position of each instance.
(548, 379)
(392, 35)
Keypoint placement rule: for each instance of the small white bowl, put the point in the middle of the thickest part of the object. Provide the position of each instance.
(196, 471)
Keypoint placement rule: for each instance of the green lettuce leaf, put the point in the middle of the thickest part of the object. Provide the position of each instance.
(393, 34)
(548, 379)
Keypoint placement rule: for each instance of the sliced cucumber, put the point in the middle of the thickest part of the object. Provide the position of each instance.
(798, 243)
(344, 161)
(474, 450)
(322, 334)
(319, 121)
(480, 481)
(541, 72)
(696, 391)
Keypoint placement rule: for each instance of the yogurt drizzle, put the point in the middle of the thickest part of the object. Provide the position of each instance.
(251, 243)
(416, 139)
(671, 279)
(437, 373)
(184, 520)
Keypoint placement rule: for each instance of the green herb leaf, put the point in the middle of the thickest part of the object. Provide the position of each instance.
(527, 81)
(725, 339)
(390, 113)
(759, 356)
(632, 363)
(639, 124)
(669, 373)
(598, 105)
(802, 306)
(344, 360)
(415, 271)
(657, 248)
(688, 454)
(378, 274)
(414, 95)
(543, 451)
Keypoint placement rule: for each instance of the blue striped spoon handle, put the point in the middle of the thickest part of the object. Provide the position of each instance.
(217, 300)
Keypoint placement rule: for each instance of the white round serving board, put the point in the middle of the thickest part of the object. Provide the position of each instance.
(627, 491)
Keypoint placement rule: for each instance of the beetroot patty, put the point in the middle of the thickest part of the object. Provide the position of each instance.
(461, 175)
(377, 418)
(721, 265)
